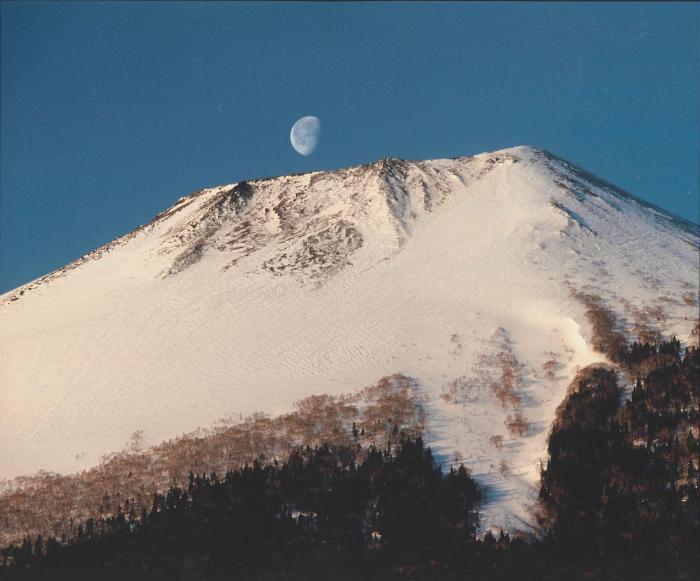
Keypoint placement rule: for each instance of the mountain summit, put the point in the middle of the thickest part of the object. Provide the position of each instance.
(459, 273)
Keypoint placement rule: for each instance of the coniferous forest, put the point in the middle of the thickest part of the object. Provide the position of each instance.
(619, 500)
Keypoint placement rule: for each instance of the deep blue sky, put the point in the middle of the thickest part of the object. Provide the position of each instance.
(110, 112)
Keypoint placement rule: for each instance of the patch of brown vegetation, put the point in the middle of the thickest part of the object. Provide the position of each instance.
(53, 505)
(690, 299)
(500, 372)
(505, 388)
(608, 336)
(646, 321)
(517, 425)
(695, 333)
(451, 389)
(464, 389)
(551, 365)
(496, 442)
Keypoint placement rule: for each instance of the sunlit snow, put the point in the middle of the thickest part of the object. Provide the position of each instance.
(241, 301)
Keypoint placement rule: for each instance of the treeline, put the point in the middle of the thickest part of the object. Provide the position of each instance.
(621, 486)
(321, 513)
(619, 500)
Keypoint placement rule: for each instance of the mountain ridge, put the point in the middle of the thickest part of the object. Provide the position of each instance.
(462, 274)
(386, 169)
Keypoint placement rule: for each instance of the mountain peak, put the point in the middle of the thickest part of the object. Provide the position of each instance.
(247, 297)
(524, 150)
(310, 225)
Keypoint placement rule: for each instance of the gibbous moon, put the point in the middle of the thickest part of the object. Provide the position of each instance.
(305, 134)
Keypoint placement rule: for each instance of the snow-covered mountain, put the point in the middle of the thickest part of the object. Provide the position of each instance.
(248, 297)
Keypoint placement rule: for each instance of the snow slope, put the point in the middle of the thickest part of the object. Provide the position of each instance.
(248, 297)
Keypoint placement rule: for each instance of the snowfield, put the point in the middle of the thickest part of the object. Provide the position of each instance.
(251, 296)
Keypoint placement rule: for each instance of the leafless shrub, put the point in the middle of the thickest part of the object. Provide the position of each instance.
(450, 391)
(690, 299)
(695, 333)
(136, 442)
(551, 365)
(496, 442)
(517, 425)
